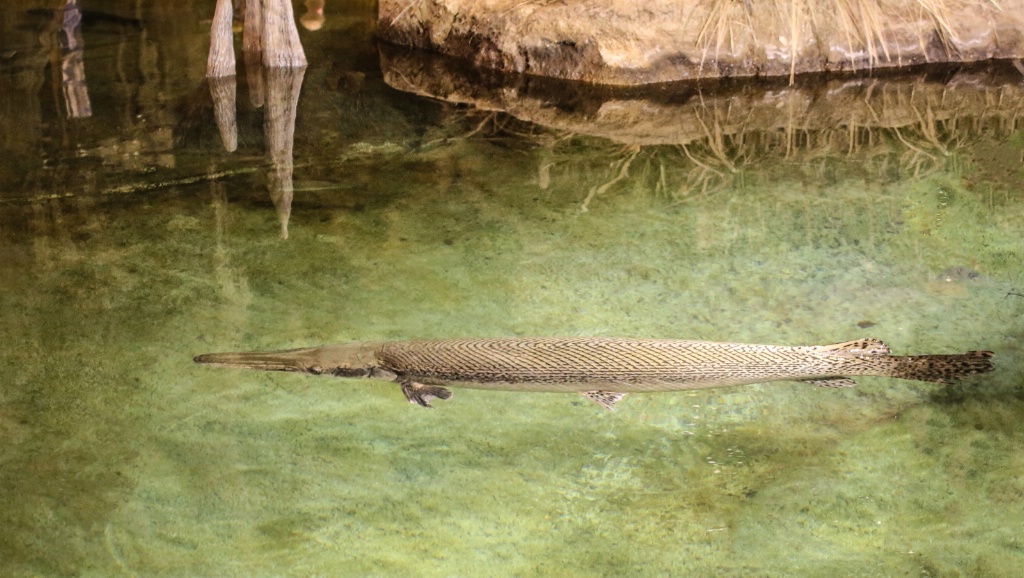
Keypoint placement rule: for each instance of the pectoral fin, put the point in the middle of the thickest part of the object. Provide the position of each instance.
(421, 394)
(832, 382)
(605, 399)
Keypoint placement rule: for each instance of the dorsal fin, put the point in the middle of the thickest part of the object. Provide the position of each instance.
(866, 346)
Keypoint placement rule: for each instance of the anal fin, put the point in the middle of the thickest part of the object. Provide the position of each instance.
(605, 399)
(832, 382)
(421, 394)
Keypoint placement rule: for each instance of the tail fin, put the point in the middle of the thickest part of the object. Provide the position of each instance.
(942, 369)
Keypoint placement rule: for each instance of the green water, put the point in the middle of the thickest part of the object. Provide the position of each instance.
(122, 256)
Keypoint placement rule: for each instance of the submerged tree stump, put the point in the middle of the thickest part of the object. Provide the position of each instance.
(269, 32)
(221, 61)
(274, 64)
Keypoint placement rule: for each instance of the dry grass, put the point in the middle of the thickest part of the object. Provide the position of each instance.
(868, 28)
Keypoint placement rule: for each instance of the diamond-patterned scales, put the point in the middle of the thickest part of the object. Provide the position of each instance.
(615, 364)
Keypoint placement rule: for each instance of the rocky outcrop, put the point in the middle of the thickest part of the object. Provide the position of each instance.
(630, 42)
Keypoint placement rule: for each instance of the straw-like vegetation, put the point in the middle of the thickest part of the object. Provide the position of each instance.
(871, 31)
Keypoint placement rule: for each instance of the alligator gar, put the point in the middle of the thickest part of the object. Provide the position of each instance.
(603, 369)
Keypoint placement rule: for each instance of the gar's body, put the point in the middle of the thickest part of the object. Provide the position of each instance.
(602, 368)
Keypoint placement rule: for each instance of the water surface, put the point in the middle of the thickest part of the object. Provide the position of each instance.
(131, 240)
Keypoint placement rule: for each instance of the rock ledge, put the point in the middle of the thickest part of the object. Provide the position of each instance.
(625, 42)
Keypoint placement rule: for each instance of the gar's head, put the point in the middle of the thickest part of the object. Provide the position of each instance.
(342, 360)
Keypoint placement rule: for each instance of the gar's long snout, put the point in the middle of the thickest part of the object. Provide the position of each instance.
(287, 360)
(346, 359)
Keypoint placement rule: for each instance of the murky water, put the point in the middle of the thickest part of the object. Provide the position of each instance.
(131, 240)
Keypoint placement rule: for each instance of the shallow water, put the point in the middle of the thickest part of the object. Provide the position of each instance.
(131, 241)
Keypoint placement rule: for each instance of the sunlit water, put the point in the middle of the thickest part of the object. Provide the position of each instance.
(131, 241)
